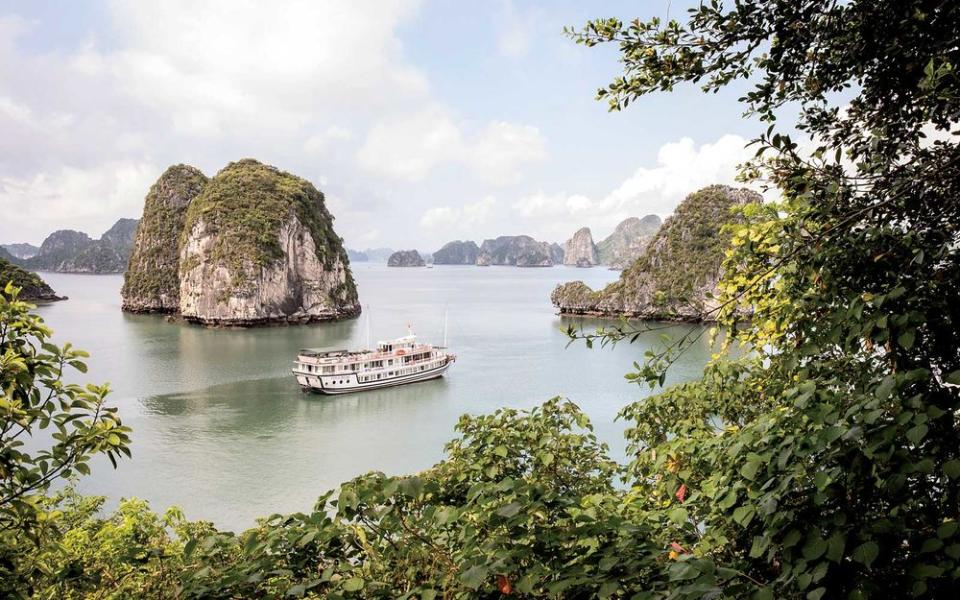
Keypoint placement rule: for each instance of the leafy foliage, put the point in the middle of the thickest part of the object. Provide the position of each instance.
(824, 462)
(66, 424)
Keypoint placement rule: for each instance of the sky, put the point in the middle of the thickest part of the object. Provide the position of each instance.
(421, 121)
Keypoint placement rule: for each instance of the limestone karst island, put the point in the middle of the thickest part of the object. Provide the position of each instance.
(444, 300)
(252, 245)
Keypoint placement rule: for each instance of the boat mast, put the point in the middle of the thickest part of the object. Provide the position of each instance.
(368, 327)
(445, 310)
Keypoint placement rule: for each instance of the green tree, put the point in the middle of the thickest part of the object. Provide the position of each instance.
(49, 429)
(825, 463)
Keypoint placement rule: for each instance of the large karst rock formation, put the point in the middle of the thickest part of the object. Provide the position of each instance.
(152, 280)
(580, 251)
(457, 253)
(628, 241)
(254, 245)
(519, 251)
(677, 275)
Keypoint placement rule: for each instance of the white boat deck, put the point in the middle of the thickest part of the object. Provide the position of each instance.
(394, 362)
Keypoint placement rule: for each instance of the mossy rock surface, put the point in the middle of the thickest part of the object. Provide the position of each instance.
(239, 263)
(151, 282)
(677, 273)
(245, 205)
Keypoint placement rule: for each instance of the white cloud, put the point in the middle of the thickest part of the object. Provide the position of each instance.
(410, 146)
(369, 236)
(502, 149)
(682, 167)
(324, 141)
(230, 63)
(458, 220)
(88, 199)
(516, 30)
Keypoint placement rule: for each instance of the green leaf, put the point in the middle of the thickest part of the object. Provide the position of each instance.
(500, 451)
(885, 388)
(947, 530)
(951, 468)
(683, 570)
(763, 594)
(474, 576)
(749, 470)
(759, 546)
(353, 584)
(915, 434)
(953, 378)
(866, 553)
(678, 515)
(906, 339)
(835, 546)
(608, 589)
(509, 510)
(815, 547)
(816, 594)
(743, 515)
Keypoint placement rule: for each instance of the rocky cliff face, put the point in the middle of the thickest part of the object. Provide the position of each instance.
(556, 253)
(457, 253)
(675, 275)
(628, 241)
(516, 250)
(405, 258)
(152, 280)
(121, 236)
(59, 250)
(68, 251)
(257, 247)
(32, 288)
(580, 251)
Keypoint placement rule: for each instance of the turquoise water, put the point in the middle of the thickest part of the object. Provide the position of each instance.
(221, 429)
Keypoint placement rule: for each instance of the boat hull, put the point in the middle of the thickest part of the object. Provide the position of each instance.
(312, 383)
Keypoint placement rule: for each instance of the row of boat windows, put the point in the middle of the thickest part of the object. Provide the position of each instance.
(388, 375)
(373, 364)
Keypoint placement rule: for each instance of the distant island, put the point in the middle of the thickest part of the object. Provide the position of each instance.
(69, 251)
(32, 287)
(676, 277)
(253, 245)
(21, 251)
(619, 249)
(405, 258)
(457, 253)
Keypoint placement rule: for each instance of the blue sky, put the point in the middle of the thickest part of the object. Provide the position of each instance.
(421, 121)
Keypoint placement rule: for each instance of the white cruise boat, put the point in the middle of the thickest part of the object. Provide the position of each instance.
(394, 362)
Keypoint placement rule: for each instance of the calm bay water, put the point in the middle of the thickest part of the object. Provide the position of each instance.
(221, 429)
